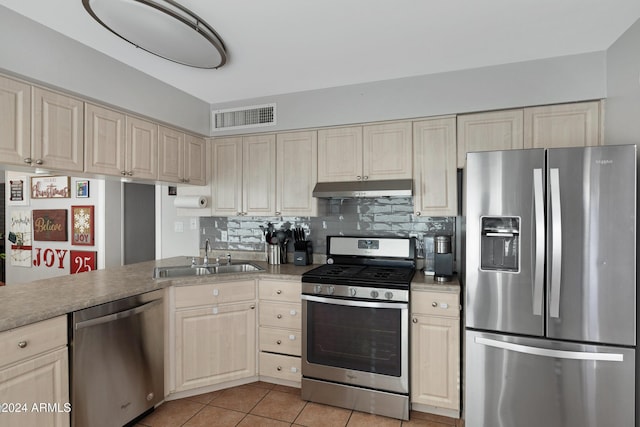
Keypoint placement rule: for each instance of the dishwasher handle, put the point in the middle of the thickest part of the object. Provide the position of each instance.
(116, 316)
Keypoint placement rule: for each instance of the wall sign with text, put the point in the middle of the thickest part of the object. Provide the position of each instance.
(83, 230)
(50, 225)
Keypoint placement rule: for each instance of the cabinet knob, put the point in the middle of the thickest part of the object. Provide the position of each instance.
(28, 160)
(278, 342)
(278, 213)
(279, 316)
(418, 213)
(414, 320)
(279, 368)
(366, 177)
(434, 304)
(22, 344)
(39, 162)
(130, 173)
(358, 177)
(123, 173)
(278, 292)
(252, 306)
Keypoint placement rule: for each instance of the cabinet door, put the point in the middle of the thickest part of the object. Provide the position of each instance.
(15, 121)
(170, 154)
(226, 176)
(259, 175)
(496, 130)
(142, 148)
(195, 157)
(215, 344)
(434, 170)
(387, 152)
(340, 154)
(104, 140)
(297, 173)
(565, 125)
(41, 380)
(435, 359)
(58, 136)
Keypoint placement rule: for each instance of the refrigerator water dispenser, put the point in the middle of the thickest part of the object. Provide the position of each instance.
(500, 243)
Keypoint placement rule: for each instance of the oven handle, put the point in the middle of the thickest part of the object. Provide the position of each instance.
(356, 303)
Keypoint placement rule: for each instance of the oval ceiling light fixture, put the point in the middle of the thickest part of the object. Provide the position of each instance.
(163, 28)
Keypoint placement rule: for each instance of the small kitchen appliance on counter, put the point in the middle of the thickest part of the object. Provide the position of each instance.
(443, 259)
(355, 325)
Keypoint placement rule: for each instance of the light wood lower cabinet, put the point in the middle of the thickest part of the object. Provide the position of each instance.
(280, 330)
(34, 375)
(214, 334)
(435, 354)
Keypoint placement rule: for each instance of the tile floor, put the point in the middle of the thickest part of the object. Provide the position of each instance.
(264, 404)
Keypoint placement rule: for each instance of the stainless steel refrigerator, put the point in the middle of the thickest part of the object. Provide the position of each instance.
(551, 320)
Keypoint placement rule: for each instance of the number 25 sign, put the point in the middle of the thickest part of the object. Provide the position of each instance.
(82, 261)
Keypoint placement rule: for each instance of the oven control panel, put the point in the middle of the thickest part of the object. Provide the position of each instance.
(356, 292)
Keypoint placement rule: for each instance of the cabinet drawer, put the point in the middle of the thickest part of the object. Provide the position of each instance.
(30, 340)
(215, 293)
(281, 315)
(435, 303)
(280, 290)
(286, 341)
(280, 366)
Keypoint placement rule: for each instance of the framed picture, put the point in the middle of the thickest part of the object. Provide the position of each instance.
(18, 193)
(82, 188)
(82, 220)
(82, 261)
(50, 225)
(50, 187)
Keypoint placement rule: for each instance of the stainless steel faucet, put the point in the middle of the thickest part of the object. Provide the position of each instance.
(207, 248)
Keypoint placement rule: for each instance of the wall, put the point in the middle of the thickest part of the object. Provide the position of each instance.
(18, 274)
(623, 89)
(546, 81)
(171, 242)
(39, 54)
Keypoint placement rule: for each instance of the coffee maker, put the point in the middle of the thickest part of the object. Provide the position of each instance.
(443, 258)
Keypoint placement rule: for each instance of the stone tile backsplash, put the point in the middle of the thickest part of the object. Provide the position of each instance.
(348, 217)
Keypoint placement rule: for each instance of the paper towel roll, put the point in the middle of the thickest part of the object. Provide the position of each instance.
(190, 202)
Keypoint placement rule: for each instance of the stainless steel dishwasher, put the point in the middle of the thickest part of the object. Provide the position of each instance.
(117, 360)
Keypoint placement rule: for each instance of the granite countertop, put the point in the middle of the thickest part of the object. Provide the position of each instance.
(26, 303)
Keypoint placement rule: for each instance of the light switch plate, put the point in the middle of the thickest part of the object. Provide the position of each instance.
(178, 226)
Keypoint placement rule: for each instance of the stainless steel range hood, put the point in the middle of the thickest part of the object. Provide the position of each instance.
(349, 189)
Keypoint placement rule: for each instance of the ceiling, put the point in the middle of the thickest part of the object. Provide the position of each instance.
(285, 46)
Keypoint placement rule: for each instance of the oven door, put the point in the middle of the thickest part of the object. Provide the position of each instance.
(360, 343)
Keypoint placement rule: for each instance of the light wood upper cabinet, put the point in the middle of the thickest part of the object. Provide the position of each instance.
(244, 175)
(181, 157)
(58, 131)
(259, 175)
(435, 354)
(15, 121)
(141, 160)
(495, 130)
(339, 154)
(371, 152)
(297, 173)
(564, 125)
(116, 144)
(434, 167)
(387, 151)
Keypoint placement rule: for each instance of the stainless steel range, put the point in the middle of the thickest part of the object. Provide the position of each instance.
(355, 341)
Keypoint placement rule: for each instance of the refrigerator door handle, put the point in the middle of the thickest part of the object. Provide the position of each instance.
(538, 264)
(556, 243)
(547, 352)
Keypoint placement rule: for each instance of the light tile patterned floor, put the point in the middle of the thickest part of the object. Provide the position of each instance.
(264, 404)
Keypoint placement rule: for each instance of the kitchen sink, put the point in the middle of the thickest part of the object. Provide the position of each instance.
(200, 270)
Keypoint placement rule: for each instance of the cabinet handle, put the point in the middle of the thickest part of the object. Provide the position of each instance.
(434, 304)
(278, 342)
(279, 368)
(366, 177)
(123, 173)
(39, 162)
(418, 213)
(28, 160)
(414, 320)
(358, 178)
(278, 292)
(130, 173)
(252, 306)
(22, 344)
(279, 316)
(278, 213)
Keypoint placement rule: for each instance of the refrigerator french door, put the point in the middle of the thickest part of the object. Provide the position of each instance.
(551, 287)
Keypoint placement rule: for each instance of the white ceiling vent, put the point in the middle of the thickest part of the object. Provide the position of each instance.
(244, 117)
